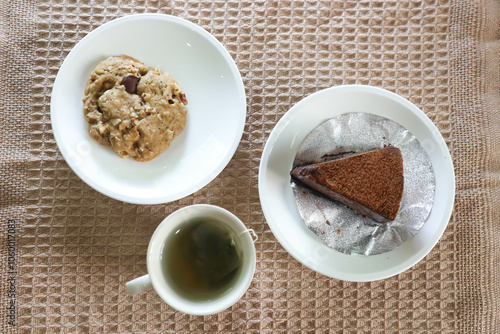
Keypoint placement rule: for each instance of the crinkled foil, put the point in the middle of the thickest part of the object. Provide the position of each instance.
(342, 228)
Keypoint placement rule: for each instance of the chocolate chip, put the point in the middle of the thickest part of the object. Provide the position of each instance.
(130, 84)
(171, 101)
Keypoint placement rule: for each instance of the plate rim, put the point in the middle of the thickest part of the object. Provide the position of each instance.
(209, 176)
(353, 277)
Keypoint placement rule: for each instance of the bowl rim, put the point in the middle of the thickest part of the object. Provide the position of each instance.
(241, 97)
(268, 212)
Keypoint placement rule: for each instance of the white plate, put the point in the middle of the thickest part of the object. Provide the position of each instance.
(216, 109)
(279, 206)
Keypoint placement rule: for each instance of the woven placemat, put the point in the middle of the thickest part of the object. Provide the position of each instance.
(76, 248)
(475, 118)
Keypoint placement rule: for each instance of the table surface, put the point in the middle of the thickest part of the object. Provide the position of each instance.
(68, 250)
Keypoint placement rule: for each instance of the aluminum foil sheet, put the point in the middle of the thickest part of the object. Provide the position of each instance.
(342, 228)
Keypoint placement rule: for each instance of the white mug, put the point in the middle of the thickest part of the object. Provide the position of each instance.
(156, 276)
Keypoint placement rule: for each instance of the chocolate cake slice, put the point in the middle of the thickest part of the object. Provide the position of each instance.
(371, 183)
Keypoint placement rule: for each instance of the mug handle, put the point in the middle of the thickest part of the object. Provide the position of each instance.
(138, 285)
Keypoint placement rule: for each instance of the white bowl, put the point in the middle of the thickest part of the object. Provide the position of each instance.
(278, 203)
(216, 109)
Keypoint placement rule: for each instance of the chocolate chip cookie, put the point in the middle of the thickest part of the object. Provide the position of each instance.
(132, 108)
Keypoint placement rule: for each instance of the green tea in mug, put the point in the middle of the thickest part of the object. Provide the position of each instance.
(202, 259)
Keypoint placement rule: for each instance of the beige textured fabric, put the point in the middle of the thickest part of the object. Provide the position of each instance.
(475, 117)
(76, 248)
(17, 34)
